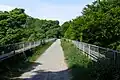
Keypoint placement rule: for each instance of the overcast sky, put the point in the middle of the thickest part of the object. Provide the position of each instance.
(62, 10)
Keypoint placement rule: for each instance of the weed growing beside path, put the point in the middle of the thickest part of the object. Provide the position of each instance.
(78, 63)
(83, 68)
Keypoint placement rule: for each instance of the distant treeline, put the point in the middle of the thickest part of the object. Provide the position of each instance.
(99, 24)
(17, 26)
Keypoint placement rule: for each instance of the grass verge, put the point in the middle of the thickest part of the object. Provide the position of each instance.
(82, 68)
(78, 63)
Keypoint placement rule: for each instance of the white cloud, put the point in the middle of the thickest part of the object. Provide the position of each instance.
(9, 8)
(49, 11)
(6, 8)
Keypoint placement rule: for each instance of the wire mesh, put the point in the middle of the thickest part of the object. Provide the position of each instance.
(96, 52)
(8, 50)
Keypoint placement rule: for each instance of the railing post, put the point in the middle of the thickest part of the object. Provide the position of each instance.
(24, 51)
(33, 43)
(39, 42)
(79, 45)
(89, 50)
(14, 47)
(23, 45)
(99, 52)
(30, 44)
(115, 57)
(83, 48)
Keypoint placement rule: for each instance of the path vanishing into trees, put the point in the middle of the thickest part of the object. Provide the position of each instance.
(51, 66)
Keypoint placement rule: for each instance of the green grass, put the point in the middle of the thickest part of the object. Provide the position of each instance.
(78, 63)
(83, 68)
(38, 51)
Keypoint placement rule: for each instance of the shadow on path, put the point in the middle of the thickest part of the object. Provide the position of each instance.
(49, 75)
(15, 66)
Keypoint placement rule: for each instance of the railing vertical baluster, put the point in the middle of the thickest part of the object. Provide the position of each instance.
(99, 52)
(14, 48)
(83, 48)
(30, 44)
(115, 57)
(18, 48)
(89, 50)
(39, 42)
(34, 43)
(23, 46)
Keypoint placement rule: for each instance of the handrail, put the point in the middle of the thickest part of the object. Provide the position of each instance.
(96, 52)
(10, 50)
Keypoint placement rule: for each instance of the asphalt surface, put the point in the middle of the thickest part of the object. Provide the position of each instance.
(50, 66)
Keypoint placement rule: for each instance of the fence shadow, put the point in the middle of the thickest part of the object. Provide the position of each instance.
(101, 70)
(106, 65)
(16, 65)
(106, 68)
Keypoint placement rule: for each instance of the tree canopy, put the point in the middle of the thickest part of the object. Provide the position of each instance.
(17, 26)
(99, 24)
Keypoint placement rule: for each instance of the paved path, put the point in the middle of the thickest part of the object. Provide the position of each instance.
(51, 65)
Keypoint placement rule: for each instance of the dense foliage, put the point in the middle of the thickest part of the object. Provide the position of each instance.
(99, 24)
(17, 26)
(64, 28)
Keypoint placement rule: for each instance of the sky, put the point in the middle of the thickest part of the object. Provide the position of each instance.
(62, 10)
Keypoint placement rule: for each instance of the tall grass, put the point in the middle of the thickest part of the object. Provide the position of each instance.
(78, 63)
(82, 68)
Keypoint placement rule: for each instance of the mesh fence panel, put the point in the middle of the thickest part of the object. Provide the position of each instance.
(86, 48)
(99, 53)
(8, 50)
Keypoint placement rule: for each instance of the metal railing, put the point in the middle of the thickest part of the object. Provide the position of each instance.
(98, 53)
(13, 49)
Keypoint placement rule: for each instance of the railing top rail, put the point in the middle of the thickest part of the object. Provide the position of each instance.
(22, 43)
(11, 50)
(97, 46)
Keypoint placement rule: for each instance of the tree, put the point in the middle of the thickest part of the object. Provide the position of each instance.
(99, 24)
(16, 26)
(11, 25)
